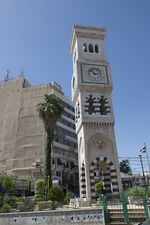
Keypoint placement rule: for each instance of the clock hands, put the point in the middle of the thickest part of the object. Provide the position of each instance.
(95, 73)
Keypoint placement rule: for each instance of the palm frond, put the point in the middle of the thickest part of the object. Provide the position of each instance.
(49, 111)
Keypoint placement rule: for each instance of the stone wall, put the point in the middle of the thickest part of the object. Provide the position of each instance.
(55, 217)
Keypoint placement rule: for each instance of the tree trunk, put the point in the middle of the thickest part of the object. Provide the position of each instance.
(48, 177)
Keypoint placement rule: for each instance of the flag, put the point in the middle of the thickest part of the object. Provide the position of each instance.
(143, 150)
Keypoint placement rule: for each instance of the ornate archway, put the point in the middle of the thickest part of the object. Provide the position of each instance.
(101, 168)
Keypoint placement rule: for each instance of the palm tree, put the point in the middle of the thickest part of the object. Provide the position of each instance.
(49, 111)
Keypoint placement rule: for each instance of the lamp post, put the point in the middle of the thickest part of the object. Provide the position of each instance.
(143, 172)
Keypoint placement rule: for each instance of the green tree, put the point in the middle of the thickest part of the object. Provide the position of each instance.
(125, 167)
(98, 187)
(56, 195)
(136, 191)
(49, 111)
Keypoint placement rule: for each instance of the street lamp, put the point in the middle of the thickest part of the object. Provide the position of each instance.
(143, 172)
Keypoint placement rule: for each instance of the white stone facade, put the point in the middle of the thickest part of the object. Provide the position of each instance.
(91, 95)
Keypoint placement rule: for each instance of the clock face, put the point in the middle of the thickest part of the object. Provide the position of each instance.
(95, 73)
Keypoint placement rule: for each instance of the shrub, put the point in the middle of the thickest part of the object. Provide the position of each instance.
(40, 190)
(148, 192)
(67, 198)
(26, 205)
(8, 184)
(56, 194)
(10, 200)
(6, 208)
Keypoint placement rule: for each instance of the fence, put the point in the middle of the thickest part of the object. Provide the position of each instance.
(126, 210)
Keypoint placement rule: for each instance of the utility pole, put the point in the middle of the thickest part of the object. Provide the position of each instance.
(145, 147)
(144, 150)
(145, 184)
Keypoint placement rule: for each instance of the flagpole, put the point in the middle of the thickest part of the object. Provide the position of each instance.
(147, 156)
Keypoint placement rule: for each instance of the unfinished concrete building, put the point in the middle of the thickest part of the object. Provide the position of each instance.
(22, 135)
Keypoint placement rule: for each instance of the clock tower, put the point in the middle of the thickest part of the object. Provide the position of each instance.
(91, 95)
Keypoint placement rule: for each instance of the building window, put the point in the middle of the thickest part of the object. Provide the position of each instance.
(58, 173)
(59, 162)
(90, 48)
(84, 47)
(96, 49)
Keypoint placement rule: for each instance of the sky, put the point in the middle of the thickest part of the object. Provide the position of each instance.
(35, 37)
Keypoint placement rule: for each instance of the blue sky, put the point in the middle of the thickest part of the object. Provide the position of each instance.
(35, 36)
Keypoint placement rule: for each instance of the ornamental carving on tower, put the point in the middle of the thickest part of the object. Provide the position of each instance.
(99, 142)
(104, 108)
(90, 107)
(94, 105)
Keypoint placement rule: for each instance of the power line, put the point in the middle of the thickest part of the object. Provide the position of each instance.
(131, 157)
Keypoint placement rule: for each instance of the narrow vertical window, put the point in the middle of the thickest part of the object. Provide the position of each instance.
(74, 58)
(96, 49)
(90, 48)
(84, 47)
(73, 85)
